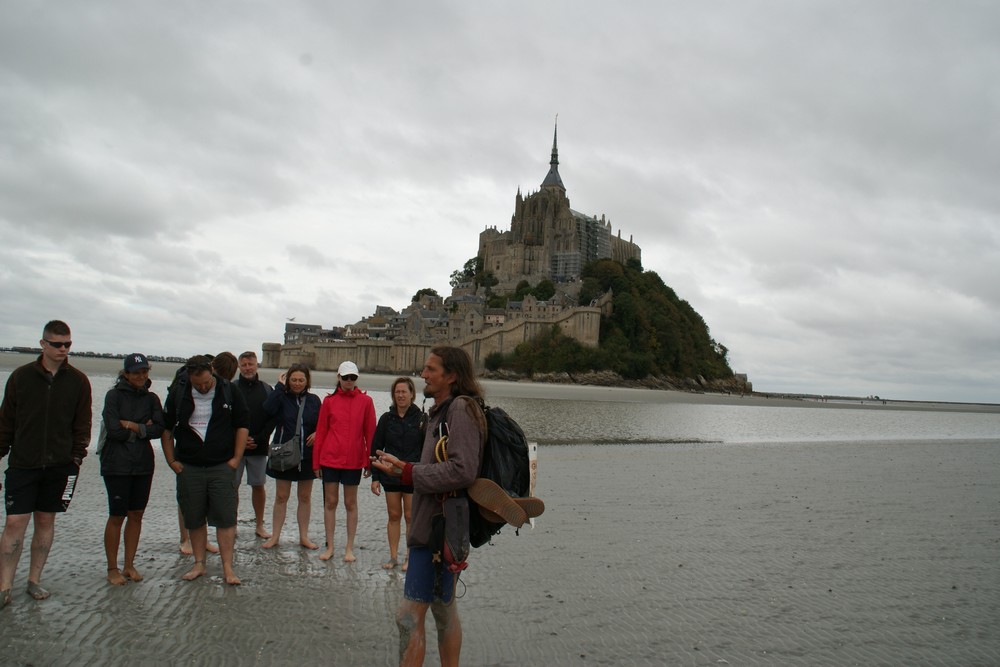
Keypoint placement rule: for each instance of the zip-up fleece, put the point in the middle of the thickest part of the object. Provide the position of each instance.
(45, 419)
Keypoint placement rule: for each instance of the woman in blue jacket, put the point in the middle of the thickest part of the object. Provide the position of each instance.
(290, 392)
(132, 417)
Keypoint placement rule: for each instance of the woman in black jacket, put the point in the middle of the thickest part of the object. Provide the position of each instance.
(132, 417)
(400, 432)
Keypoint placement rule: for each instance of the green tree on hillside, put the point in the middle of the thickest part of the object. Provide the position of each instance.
(662, 332)
(651, 331)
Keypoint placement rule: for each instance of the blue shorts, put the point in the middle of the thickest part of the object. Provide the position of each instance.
(420, 573)
(341, 476)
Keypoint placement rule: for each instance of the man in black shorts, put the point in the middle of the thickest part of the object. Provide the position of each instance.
(45, 423)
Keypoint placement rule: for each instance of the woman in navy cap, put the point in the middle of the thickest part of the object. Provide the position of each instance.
(132, 417)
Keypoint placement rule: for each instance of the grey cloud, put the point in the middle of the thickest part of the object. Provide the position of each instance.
(816, 179)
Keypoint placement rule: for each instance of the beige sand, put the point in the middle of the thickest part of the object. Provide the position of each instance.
(790, 554)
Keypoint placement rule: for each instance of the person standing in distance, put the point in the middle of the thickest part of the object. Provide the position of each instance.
(45, 421)
(205, 433)
(255, 391)
(449, 379)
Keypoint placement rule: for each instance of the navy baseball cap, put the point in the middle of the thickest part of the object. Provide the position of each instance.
(136, 361)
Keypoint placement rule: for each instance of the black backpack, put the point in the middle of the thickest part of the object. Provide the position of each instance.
(505, 461)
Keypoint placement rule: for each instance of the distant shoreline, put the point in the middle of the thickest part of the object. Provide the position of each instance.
(164, 370)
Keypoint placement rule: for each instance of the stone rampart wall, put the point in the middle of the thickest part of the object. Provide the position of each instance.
(379, 356)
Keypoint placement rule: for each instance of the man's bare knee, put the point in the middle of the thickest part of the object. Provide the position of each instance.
(444, 614)
(406, 619)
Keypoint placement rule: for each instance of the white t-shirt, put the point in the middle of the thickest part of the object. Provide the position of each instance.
(202, 411)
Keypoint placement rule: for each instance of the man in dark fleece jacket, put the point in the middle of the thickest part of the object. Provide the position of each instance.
(255, 391)
(45, 424)
(205, 433)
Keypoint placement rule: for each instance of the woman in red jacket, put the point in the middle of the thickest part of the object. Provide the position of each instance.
(341, 450)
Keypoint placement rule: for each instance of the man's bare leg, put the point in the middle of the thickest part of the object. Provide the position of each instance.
(412, 639)
(227, 546)
(258, 498)
(185, 535)
(199, 538)
(11, 544)
(186, 547)
(41, 545)
(449, 632)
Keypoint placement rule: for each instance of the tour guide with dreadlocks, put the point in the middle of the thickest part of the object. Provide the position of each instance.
(451, 383)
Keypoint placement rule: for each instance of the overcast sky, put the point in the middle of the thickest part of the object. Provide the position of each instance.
(818, 179)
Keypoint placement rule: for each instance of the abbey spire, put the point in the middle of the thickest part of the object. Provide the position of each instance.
(552, 178)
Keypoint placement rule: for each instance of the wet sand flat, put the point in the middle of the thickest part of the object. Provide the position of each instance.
(688, 554)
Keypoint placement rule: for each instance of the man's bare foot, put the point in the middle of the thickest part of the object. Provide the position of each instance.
(406, 562)
(132, 573)
(197, 570)
(390, 565)
(271, 542)
(36, 591)
(212, 548)
(349, 557)
(186, 548)
(115, 577)
(326, 555)
(231, 578)
(306, 543)
(5, 598)
(261, 533)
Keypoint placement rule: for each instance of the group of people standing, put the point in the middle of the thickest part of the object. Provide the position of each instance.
(335, 438)
(213, 430)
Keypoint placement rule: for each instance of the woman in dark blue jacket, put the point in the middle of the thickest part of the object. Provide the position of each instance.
(293, 389)
(132, 417)
(400, 432)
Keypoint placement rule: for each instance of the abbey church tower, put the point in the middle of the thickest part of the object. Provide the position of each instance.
(548, 239)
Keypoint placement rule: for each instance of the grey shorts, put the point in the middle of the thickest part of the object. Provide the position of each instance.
(256, 467)
(207, 494)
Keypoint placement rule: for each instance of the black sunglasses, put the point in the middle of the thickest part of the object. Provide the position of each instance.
(58, 344)
(349, 378)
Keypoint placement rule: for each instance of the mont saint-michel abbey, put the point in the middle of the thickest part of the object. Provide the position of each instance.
(547, 240)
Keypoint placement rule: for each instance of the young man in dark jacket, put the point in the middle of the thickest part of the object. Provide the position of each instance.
(255, 391)
(205, 433)
(45, 423)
